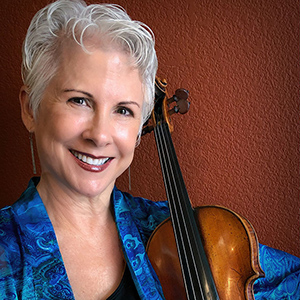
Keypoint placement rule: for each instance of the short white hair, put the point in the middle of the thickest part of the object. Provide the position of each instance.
(74, 19)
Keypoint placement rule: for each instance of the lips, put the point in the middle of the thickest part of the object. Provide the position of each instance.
(90, 163)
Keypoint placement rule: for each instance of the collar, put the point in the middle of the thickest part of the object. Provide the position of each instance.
(143, 275)
(43, 266)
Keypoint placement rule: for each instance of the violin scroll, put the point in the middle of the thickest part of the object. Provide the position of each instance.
(182, 105)
(163, 105)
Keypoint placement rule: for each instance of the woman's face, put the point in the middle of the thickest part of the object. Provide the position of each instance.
(88, 121)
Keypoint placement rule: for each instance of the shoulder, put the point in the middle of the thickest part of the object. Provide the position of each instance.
(143, 207)
(11, 216)
(282, 275)
(145, 213)
(8, 229)
(13, 228)
(10, 251)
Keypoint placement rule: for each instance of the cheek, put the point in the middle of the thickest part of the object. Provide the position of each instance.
(57, 129)
(127, 137)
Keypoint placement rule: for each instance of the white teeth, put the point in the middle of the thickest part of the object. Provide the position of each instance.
(90, 160)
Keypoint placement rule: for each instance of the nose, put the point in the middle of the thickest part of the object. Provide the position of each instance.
(98, 130)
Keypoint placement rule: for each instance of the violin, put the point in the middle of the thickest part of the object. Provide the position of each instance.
(202, 253)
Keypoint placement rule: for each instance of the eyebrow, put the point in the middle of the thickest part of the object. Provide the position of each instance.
(78, 91)
(128, 103)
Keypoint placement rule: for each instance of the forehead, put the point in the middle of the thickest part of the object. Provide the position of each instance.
(97, 68)
(91, 43)
(72, 54)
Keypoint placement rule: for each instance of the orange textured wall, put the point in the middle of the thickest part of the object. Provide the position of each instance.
(238, 145)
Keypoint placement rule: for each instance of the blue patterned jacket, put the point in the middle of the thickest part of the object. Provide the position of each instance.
(31, 266)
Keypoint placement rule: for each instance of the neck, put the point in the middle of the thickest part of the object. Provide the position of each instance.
(74, 211)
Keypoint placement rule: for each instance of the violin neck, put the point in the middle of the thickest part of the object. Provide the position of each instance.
(197, 277)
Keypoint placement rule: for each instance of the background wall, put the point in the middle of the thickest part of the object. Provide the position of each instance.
(239, 144)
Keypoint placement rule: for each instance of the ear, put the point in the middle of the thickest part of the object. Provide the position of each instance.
(26, 111)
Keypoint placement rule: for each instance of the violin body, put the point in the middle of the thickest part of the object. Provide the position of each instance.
(231, 247)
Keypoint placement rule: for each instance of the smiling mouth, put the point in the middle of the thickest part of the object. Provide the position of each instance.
(90, 160)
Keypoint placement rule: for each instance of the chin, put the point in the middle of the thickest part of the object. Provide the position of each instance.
(94, 190)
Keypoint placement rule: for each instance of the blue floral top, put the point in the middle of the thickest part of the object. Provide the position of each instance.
(31, 266)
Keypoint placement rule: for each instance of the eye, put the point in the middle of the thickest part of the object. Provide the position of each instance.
(79, 101)
(124, 111)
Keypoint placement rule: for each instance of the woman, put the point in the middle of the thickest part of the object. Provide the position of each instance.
(88, 76)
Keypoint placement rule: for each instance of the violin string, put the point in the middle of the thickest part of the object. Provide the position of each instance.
(183, 230)
(204, 282)
(187, 220)
(170, 191)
